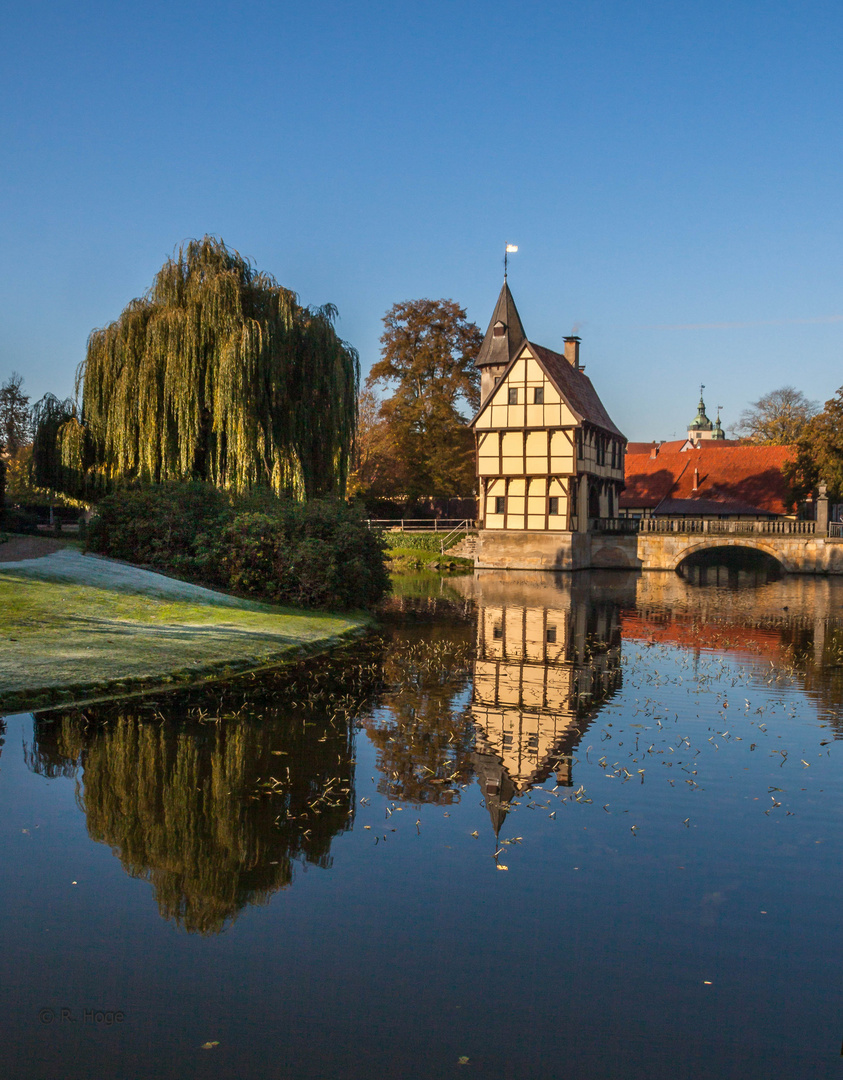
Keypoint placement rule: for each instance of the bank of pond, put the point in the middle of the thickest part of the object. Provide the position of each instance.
(618, 793)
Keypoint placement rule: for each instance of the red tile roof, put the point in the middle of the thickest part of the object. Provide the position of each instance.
(749, 475)
(677, 444)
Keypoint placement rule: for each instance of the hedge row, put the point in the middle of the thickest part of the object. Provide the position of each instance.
(319, 554)
(420, 541)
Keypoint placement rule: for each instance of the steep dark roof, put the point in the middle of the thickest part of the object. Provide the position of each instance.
(496, 785)
(575, 387)
(500, 350)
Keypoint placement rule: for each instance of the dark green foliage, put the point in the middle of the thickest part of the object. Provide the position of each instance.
(49, 417)
(15, 415)
(429, 541)
(165, 527)
(19, 520)
(319, 554)
(819, 456)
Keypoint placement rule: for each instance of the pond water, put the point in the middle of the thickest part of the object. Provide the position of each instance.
(534, 826)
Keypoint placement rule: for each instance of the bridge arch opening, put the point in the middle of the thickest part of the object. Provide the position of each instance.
(732, 566)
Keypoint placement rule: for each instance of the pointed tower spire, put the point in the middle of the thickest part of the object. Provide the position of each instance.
(504, 337)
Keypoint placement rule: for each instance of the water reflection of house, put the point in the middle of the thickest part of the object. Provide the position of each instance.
(541, 673)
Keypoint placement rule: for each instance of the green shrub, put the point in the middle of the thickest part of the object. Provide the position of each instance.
(18, 520)
(158, 526)
(317, 554)
(428, 541)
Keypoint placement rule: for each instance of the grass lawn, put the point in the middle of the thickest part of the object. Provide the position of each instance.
(75, 628)
(414, 551)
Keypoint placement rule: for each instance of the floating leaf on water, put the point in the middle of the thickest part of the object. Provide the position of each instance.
(210, 1045)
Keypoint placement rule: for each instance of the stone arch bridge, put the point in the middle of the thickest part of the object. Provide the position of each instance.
(664, 543)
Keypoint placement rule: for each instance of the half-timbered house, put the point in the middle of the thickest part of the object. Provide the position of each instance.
(549, 457)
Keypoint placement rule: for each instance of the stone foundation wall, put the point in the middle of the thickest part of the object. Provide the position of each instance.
(499, 549)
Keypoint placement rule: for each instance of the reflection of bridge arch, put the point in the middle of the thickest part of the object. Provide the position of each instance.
(747, 543)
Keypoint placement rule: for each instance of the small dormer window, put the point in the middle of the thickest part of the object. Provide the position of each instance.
(499, 330)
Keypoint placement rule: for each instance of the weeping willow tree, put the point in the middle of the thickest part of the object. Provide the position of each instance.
(216, 374)
(50, 417)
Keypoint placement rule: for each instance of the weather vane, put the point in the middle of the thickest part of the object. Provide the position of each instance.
(508, 250)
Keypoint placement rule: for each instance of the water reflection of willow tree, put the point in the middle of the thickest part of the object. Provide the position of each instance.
(214, 799)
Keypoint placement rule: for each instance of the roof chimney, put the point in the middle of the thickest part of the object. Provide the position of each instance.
(654, 451)
(696, 478)
(572, 352)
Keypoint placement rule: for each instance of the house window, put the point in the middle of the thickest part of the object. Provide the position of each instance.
(500, 504)
(499, 330)
(497, 632)
(553, 504)
(550, 636)
(513, 395)
(538, 395)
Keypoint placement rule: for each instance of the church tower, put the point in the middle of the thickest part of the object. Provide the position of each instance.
(701, 427)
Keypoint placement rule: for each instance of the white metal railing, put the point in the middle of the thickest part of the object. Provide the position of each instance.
(835, 530)
(463, 527)
(778, 527)
(418, 524)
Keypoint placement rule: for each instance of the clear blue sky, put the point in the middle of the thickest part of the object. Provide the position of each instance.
(672, 174)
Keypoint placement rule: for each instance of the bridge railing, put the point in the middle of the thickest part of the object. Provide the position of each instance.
(624, 526)
(835, 530)
(779, 527)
